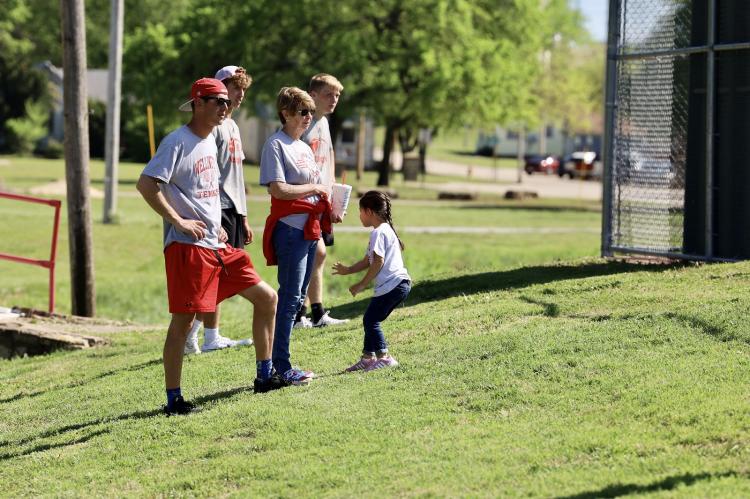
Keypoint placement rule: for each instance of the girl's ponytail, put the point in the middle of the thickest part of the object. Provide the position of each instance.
(388, 219)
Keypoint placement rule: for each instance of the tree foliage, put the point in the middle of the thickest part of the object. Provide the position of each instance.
(19, 82)
(419, 64)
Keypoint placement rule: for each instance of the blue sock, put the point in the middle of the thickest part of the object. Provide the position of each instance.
(263, 369)
(172, 394)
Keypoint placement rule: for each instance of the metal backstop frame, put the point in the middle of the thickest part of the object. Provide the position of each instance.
(659, 195)
(46, 264)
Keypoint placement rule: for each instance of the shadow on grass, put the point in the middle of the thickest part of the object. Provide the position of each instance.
(668, 483)
(440, 289)
(123, 417)
(44, 447)
(472, 154)
(705, 327)
(76, 384)
(550, 309)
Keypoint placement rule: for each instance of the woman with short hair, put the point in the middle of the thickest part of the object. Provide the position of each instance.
(300, 210)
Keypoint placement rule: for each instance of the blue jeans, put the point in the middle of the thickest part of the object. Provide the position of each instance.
(296, 257)
(379, 309)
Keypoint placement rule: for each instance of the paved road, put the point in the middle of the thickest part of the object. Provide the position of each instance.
(501, 180)
(480, 179)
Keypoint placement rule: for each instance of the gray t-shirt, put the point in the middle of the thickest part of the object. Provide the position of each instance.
(186, 165)
(230, 156)
(384, 243)
(318, 137)
(290, 161)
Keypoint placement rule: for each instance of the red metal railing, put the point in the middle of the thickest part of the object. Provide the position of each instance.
(47, 264)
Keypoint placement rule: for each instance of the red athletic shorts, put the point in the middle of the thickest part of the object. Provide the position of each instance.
(199, 278)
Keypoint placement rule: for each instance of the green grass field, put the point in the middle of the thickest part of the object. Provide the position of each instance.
(456, 146)
(529, 368)
(459, 146)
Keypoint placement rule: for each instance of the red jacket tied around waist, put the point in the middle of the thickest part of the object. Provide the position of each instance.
(315, 225)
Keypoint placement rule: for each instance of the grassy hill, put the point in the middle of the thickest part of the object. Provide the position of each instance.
(528, 368)
(585, 379)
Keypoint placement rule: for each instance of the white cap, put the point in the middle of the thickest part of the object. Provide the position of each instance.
(226, 72)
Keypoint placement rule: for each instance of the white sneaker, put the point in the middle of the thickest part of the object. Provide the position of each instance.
(327, 320)
(191, 345)
(223, 342)
(303, 323)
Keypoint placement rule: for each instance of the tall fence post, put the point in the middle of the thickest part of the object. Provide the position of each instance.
(710, 106)
(609, 126)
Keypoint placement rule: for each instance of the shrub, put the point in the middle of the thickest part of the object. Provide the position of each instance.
(53, 149)
(26, 131)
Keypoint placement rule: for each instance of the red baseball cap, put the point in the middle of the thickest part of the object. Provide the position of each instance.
(204, 86)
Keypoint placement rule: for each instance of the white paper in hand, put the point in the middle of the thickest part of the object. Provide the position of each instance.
(340, 198)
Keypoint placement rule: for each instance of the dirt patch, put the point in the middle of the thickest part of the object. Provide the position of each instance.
(26, 331)
(59, 188)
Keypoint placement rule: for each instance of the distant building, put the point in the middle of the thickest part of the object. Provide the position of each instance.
(504, 142)
(96, 82)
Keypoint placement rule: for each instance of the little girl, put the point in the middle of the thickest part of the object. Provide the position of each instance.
(384, 264)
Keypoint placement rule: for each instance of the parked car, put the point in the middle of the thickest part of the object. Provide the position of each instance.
(581, 164)
(642, 168)
(541, 163)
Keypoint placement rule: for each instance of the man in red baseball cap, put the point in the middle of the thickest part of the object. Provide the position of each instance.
(233, 199)
(181, 183)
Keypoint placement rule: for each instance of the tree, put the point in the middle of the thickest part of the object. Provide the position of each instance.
(162, 86)
(20, 83)
(77, 159)
(417, 64)
(571, 83)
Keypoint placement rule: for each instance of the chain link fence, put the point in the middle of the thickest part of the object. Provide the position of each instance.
(660, 126)
(650, 128)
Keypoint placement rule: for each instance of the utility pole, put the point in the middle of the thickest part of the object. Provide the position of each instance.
(521, 153)
(361, 132)
(77, 157)
(112, 146)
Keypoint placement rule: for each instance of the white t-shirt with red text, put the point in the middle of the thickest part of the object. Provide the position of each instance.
(318, 137)
(186, 165)
(230, 156)
(291, 161)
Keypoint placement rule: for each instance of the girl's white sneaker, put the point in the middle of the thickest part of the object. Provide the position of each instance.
(382, 362)
(363, 364)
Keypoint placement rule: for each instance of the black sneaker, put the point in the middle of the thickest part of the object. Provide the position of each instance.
(181, 407)
(266, 385)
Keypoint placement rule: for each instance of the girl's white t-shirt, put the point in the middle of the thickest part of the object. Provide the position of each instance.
(384, 243)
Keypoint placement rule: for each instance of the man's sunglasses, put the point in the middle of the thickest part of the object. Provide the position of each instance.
(305, 112)
(219, 100)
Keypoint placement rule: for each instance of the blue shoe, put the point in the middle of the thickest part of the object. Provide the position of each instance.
(297, 376)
